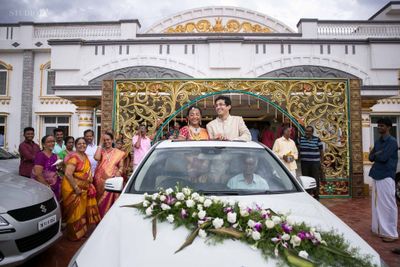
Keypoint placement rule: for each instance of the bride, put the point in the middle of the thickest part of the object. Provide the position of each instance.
(193, 131)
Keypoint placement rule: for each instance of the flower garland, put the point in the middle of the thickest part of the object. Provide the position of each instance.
(274, 234)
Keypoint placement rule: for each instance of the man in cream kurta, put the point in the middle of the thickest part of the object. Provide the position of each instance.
(225, 126)
(286, 150)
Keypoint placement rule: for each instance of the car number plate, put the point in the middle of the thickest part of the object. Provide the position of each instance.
(47, 222)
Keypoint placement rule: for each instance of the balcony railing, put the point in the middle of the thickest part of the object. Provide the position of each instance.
(84, 31)
(357, 30)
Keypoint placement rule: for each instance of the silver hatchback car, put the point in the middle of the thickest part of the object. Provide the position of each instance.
(30, 218)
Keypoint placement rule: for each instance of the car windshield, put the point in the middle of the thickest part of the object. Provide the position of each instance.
(216, 170)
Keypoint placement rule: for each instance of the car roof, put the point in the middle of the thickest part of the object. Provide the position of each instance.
(183, 143)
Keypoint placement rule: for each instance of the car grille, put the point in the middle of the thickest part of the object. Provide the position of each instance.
(35, 240)
(35, 211)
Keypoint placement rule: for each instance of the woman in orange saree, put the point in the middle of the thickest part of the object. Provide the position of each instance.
(78, 193)
(111, 164)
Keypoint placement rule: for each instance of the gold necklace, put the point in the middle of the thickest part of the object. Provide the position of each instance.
(195, 132)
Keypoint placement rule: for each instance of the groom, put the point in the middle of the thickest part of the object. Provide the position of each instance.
(225, 126)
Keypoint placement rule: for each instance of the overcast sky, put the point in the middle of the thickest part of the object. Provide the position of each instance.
(149, 12)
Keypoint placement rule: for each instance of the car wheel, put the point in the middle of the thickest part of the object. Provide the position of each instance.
(397, 184)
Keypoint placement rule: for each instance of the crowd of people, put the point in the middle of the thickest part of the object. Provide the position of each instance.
(76, 169)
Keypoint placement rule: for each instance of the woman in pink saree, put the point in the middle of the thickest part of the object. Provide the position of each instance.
(111, 164)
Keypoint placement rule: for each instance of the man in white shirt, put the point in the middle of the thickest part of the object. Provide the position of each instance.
(286, 150)
(90, 148)
(225, 126)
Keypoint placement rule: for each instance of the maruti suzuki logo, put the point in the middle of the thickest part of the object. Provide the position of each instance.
(43, 208)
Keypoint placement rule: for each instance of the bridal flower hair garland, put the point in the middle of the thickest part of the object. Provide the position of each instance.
(274, 234)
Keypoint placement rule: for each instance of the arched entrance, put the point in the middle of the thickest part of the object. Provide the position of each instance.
(199, 98)
(322, 103)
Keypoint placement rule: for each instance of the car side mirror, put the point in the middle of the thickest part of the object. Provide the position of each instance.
(308, 182)
(115, 184)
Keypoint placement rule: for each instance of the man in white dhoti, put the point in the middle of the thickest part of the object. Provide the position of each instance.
(383, 172)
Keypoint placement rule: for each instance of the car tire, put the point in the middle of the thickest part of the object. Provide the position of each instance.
(397, 185)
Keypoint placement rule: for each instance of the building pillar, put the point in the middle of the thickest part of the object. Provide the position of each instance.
(27, 91)
(107, 105)
(356, 170)
(85, 110)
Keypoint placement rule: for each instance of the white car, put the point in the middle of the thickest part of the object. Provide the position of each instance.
(124, 236)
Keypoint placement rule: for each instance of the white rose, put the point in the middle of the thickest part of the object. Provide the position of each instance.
(202, 233)
(286, 237)
(194, 214)
(189, 203)
(145, 195)
(303, 254)
(169, 191)
(318, 236)
(195, 196)
(289, 220)
(149, 211)
(170, 218)
(165, 206)
(231, 217)
(255, 235)
(242, 206)
(146, 203)
(201, 199)
(177, 204)
(186, 191)
(199, 207)
(276, 219)
(251, 223)
(154, 196)
(163, 198)
(214, 198)
(217, 223)
(231, 202)
(295, 240)
(244, 213)
(270, 224)
(180, 196)
(201, 214)
(207, 203)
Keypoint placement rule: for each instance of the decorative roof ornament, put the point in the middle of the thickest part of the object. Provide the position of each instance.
(231, 26)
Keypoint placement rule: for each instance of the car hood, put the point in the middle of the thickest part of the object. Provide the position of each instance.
(124, 237)
(18, 192)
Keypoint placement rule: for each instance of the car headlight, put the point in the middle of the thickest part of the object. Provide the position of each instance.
(3, 221)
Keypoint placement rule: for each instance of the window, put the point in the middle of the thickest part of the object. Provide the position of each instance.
(167, 49)
(3, 80)
(3, 120)
(353, 49)
(329, 49)
(52, 122)
(289, 49)
(193, 49)
(186, 49)
(321, 49)
(264, 48)
(120, 49)
(346, 49)
(51, 81)
(394, 131)
(256, 48)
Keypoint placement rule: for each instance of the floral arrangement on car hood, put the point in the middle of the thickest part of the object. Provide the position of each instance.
(274, 234)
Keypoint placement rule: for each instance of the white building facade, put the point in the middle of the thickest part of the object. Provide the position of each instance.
(51, 73)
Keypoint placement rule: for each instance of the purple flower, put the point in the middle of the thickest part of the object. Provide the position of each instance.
(228, 209)
(258, 227)
(308, 235)
(249, 210)
(302, 235)
(258, 207)
(170, 200)
(184, 214)
(286, 228)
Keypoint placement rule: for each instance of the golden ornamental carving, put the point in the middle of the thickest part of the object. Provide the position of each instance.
(231, 26)
(320, 103)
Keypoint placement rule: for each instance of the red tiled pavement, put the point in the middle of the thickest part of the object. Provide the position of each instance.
(355, 212)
